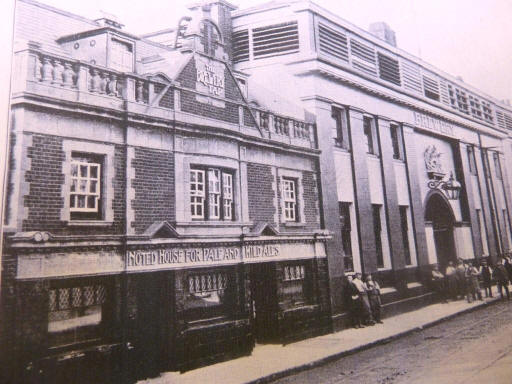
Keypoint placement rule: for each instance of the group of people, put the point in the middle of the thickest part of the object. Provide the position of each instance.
(364, 300)
(465, 279)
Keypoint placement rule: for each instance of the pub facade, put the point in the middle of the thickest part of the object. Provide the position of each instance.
(162, 210)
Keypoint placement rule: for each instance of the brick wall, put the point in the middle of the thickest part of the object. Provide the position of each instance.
(119, 189)
(7, 316)
(191, 105)
(154, 188)
(248, 119)
(310, 187)
(260, 193)
(44, 201)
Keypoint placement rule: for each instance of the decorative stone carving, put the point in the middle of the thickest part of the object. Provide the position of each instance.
(433, 163)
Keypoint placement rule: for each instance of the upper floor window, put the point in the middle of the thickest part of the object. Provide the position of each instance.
(85, 191)
(340, 129)
(121, 55)
(396, 141)
(369, 135)
(471, 160)
(497, 165)
(404, 224)
(211, 194)
(290, 199)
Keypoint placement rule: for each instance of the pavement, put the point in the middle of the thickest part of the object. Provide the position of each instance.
(270, 361)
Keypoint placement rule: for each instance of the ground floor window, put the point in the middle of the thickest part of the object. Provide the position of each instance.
(76, 311)
(295, 285)
(208, 293)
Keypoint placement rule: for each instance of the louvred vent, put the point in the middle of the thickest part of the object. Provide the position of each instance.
(273, 40)
(411, 77)
(431, 88)
(241, 46)
(363, 57)
(389, 69)
(333, 43)
(508, 122)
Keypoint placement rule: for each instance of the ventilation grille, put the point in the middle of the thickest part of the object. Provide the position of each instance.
(431, 88)
(273, 40)
(241, 46)
(389, 69)
(501, 119)
(333, 43)
(508, 122)
(444, 92)
(363, 57)
(411, 77)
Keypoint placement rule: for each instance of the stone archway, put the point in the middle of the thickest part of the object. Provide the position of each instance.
(439, 212)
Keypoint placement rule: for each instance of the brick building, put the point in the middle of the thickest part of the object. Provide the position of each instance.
(415, 163)
(162, 209)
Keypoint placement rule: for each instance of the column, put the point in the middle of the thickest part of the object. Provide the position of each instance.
(417, 209)
(391, 195)
(467, 198)
(329, 206)
(363, 201)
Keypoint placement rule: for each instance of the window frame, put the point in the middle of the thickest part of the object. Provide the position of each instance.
(404, 226)
(497, 166)
(472, 160)
(215, 198)
(377, 231)
(396, 141)
(291, 199)
(346, 234)
(296, 276)
(371, 135)
(99, 330)
(88, 160)
(116, 41)
(222, 309)
(340, 131)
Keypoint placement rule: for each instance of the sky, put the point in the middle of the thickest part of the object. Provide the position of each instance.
(467, 38)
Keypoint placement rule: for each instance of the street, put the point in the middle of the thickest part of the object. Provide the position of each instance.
(472, 348)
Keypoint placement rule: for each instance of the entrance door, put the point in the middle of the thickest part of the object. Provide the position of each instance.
(439, 212)
(264, 302)
(152, 316)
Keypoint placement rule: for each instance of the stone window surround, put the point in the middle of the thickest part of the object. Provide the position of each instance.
(297, 175)
(108, 172)
(189, 161)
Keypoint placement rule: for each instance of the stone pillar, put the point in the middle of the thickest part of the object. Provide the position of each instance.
(468, 195)
(507, 191)
(416, 204)
(486, 205)
(329, 206)
(391, 195)
(363, 201)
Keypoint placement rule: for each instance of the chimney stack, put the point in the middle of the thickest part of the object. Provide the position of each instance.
(383, 32)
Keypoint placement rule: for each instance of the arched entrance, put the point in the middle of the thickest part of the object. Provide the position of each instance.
(439, 212)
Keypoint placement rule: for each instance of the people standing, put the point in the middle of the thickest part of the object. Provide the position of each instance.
(451, 280)
(373, 290)
(461, 278)
(438, 283)
(501, 277)
(486, 273)
(364, 303)
(472, 274)
(508, 266)
(353, 302)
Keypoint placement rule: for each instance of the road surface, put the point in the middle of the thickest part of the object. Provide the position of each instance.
(472, 348)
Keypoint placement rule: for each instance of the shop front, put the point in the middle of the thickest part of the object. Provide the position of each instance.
(189, 305)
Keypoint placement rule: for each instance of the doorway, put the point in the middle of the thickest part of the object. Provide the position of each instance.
(439, 212)
(264, 302)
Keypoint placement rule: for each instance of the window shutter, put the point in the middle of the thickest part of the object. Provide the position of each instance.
(363, 57)
(273, 40)
(241, 46)
(411, 77)
(389, 69)
(333, 43)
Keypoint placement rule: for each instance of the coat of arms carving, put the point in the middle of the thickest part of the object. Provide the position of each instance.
(433, 162)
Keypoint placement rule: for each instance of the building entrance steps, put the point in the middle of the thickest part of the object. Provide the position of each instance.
(269, 362)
